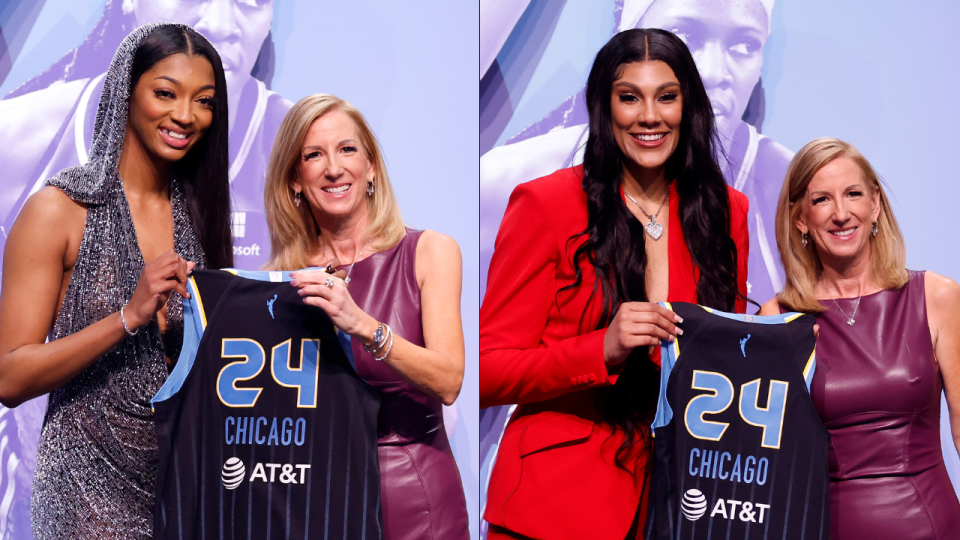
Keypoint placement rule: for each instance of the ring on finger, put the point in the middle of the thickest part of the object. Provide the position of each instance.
(329, 283)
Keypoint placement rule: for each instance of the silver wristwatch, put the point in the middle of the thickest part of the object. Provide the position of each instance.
(378, 339)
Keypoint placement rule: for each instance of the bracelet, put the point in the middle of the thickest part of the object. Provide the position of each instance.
(123, 320)
(386, 354)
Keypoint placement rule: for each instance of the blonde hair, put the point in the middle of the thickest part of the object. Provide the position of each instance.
(294, 233)
(801, 264)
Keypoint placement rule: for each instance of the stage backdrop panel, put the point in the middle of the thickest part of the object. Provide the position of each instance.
(779, 74)
(407, 68)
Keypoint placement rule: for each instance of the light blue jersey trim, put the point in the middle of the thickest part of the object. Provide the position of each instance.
(759, 319)
(268, 275)
(670, 352)
(810, 368)
(192, 332)
(261, 275)
(345, 344)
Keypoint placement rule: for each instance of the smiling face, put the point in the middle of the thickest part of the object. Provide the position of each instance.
(646, 106)
(236, 28)
(838, 211)
(333, 170)
(171, 106)
(726, 39)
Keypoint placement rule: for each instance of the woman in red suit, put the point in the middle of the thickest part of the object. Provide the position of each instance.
(581, 257)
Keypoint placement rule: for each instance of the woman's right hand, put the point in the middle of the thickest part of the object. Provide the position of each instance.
(166, 273)
(638, 324)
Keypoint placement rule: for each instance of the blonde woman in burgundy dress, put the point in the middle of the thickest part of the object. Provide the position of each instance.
(889, 343)
(328, 197)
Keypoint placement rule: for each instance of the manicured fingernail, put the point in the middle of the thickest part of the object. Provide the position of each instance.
(670, 337)
(679, 319)
(679, 331)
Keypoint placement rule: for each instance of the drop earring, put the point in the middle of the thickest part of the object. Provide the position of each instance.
(804, 239)
(370, 189)
(296, 198)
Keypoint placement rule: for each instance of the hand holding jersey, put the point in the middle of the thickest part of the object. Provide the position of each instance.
(638, 324)
(161, 276)
(329, 292)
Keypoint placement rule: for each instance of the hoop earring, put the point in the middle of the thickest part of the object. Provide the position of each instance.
(875, 228)
(296, 198)
(805, 239)
(370, 189)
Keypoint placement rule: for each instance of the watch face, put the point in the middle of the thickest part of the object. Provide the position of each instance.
(378, 334)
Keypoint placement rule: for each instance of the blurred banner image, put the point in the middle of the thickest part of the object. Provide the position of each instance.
(404, 68)
(779, 73)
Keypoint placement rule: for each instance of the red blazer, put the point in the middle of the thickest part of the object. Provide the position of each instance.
(555, 476)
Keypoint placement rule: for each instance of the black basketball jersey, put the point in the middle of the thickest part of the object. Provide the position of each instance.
(264, 427)
(739, 451)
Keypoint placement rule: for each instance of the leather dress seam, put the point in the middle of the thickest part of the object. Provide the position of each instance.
(423, 486)
(835, 420)
(905, 456)
(926, 509)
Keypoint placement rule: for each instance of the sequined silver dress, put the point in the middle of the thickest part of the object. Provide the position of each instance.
(96, 463)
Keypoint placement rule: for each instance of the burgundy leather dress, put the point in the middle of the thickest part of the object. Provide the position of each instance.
(420, 485)
(877, 389)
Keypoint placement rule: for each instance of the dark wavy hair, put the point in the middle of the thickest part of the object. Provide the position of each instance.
(204, 171)
(615, 238)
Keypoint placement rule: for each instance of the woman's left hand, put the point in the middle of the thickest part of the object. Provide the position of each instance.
(329, 293)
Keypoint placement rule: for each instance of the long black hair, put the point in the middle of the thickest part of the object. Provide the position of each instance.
(204, 171)
(615, 238)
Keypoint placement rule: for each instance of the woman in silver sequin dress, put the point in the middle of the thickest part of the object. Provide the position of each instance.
(97, 261)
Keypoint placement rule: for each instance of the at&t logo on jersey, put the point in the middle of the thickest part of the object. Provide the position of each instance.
(234, 471)
(694, 506)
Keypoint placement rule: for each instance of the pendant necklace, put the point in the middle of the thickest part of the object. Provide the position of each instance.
(653, 229)
(346, 280)
(850, 319)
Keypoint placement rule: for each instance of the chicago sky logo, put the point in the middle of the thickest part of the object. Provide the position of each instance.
(270, 306)
(233, 473)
